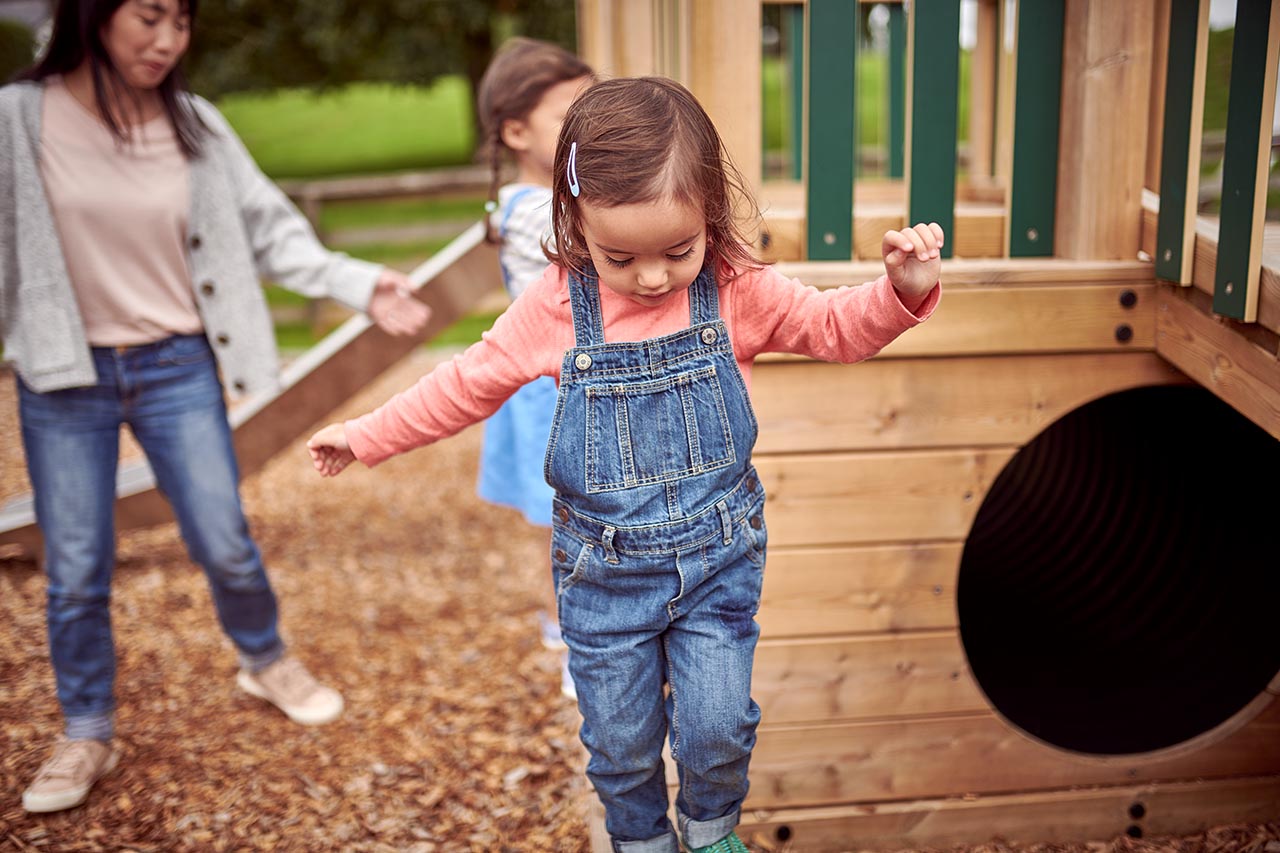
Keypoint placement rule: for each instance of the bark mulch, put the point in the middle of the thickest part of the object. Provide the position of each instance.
(399, 587)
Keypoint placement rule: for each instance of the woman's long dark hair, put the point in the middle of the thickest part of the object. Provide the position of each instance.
(77, 37)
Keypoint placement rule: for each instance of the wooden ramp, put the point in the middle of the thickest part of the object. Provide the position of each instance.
(453, 282)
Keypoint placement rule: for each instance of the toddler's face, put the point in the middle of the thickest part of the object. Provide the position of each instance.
(534, 139)
(645, 252)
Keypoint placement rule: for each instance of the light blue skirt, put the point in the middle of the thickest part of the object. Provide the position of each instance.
(515, 447)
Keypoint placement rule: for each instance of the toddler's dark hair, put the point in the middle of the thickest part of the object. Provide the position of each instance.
(520, 73)
(644, 139)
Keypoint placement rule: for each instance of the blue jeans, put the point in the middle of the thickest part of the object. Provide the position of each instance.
(636, 619)
(170, 396)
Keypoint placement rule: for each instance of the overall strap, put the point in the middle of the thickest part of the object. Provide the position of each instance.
(509, 208)
(588, 320)
(704, 300)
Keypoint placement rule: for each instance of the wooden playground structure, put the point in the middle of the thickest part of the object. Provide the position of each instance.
(1017, 585)
(899, 708)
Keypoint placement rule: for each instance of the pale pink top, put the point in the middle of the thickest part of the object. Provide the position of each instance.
(763, 310)
(121, 215)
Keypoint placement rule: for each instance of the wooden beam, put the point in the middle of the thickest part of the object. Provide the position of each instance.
(451, 282)
(1106, 85)
(979, 754)
(724, 39)
(1045, 818)
(1245, 376)
(804, 406)
(982, 91)
(858, 498)
(865, 589)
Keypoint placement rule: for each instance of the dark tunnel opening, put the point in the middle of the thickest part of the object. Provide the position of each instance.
(1118, 590)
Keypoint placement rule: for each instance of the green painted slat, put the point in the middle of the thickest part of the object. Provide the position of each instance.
(1179, 164)
(935, 81)
(1038, 77)
(1232, 295)
(897, 87)
(794, 18)
(829, 195)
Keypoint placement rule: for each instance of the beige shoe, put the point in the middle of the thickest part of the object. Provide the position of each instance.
(65, 779)
(287, 685)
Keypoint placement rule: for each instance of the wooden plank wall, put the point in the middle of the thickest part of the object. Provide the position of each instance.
(873, 726)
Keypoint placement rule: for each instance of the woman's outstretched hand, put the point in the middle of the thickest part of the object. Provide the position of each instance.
(913, 260)
(393, 306)
(329, 450)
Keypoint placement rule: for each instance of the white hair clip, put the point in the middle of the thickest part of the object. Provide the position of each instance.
(574, 187)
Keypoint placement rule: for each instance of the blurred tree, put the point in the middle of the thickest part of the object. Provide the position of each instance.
(17, 48)
(244, 45)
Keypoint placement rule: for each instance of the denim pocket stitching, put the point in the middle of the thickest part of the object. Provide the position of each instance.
(569, 580)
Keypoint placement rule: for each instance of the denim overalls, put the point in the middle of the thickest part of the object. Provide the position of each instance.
(658, 545)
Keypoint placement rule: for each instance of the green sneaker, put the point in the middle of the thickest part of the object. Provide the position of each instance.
(731, 843)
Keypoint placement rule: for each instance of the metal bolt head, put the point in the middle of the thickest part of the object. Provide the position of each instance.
(1033, 234)
(1168, 254)
(1230, 288)
(829, 238)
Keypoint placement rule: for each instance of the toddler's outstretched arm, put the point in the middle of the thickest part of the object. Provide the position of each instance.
(329, 450)
(913, 261)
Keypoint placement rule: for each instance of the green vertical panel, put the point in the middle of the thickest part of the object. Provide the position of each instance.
(1038, 76)
(832, 44)
(935, 81)
(794, 17)
(1180, 114)
(897, 86)
(1240, 157)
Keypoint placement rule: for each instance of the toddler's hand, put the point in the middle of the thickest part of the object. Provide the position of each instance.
(912, 259)
(329, 450)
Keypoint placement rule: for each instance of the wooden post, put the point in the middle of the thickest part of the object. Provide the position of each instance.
(1182, 108)
(1038, 83)
(982, 92)
(831, 141)
(1245, 161)
(933, 74)
(724, 38)
(1106, 84)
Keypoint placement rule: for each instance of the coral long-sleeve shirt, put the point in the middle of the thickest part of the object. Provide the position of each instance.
(763, 311)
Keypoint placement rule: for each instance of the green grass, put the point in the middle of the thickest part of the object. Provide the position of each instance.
(336, 216)
(363, 128)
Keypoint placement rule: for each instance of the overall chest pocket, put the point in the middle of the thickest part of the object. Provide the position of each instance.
(642, 433)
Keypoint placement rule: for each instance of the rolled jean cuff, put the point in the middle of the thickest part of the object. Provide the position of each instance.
(662, 844)
(91, 727)
(703, 833)
(257, 663)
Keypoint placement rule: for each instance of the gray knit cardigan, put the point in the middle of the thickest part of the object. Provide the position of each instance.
(241, 230)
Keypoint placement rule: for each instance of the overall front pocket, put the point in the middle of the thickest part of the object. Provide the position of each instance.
(652, 432)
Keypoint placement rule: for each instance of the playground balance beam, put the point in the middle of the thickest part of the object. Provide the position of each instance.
(453, 282)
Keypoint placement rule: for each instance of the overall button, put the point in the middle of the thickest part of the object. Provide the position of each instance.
(562, 514)
(195, 241)
(752, 482)
(755, 522)
(709, 336)
(560, 555)
(207, 288)
(583, 361)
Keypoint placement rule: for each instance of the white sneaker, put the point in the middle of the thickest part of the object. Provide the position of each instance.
(65, 779)
(287, 685)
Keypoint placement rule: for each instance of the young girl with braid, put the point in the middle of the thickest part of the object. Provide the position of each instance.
(650, 317)
(522, 101)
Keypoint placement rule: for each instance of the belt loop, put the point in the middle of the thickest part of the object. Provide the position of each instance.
(726, 523)
(610, 555)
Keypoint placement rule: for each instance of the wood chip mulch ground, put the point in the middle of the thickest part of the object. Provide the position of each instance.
(399, 587)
